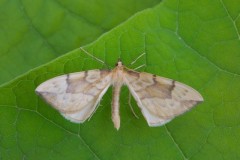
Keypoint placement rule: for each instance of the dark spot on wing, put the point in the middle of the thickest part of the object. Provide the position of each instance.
(85, 73)
(133, 73)
(104, 72)
(173, 86)
(67, 79)
(154, 78)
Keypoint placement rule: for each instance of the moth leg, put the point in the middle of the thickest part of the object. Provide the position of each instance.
(129, 103)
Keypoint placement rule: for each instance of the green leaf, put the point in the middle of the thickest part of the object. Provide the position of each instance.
(195, 42)
(35, 32)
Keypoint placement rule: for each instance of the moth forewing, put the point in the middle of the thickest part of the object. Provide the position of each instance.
(76, 95)
(160, 99)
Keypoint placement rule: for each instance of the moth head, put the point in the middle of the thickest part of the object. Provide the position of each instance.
(119, 63)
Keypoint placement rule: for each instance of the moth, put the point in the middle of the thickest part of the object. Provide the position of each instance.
(77, 95)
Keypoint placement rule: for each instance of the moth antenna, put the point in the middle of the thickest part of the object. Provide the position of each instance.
(95, 58)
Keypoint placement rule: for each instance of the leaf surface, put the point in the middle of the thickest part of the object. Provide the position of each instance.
(35, 32)
(196, 43)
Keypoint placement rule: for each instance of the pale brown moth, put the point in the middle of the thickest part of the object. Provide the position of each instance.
(77, 95)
